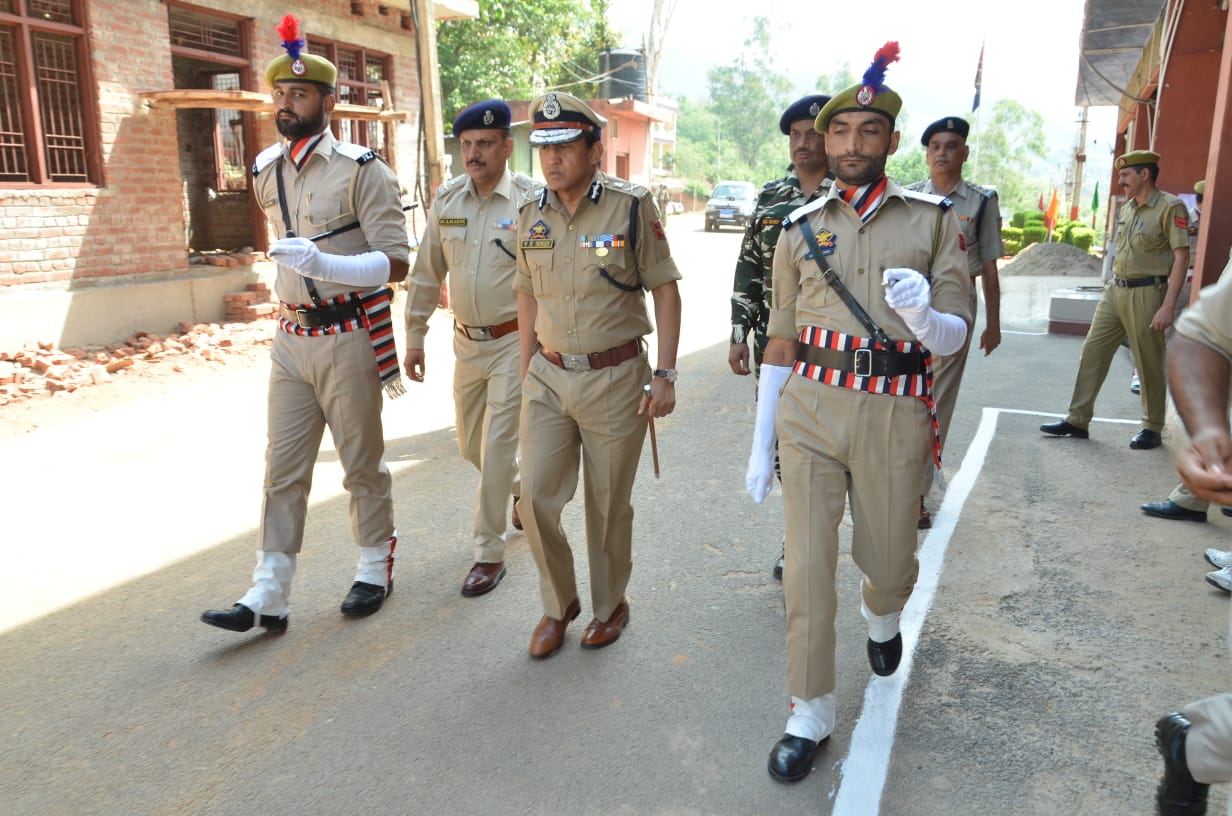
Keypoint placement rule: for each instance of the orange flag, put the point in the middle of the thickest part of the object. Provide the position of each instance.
(1050, 216)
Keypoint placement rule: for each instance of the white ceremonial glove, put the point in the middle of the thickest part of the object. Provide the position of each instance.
(907, 292)
(366, 270)
(759, 478)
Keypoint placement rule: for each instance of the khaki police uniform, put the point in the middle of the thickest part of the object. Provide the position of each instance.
(836, 442)
(473, 241)
(1208, 747)
(979, 217)
(1145, 238)
(329, 379)
(566, 264)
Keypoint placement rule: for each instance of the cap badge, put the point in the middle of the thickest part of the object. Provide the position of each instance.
(551, 108)
(298, 68)
(488, 118)
(814, 109)
(949, 124)
(865, 96)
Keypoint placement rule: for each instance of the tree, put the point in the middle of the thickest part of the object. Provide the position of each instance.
(659, 21)
(1012, 141)
(907, 166)
(747, 97)
(836, 80)
(518, 49)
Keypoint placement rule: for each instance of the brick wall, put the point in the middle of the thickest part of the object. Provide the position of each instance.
(132, 225)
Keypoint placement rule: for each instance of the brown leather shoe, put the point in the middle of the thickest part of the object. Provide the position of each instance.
(549, 633)
(604, 633)
(515, 518)
(483, 578)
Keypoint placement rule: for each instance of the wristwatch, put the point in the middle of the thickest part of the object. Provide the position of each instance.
(668, 374)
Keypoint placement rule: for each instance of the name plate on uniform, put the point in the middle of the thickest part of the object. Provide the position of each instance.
(538, 243)
(451, 222)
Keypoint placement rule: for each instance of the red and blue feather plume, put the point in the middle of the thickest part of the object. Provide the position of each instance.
(874, 77)
(288, 32)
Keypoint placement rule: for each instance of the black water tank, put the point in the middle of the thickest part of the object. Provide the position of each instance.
(625, 75)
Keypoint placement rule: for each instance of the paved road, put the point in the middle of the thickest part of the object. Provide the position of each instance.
(1052, 626)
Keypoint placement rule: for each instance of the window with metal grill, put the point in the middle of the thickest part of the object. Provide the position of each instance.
(45, 136)
(362, 75)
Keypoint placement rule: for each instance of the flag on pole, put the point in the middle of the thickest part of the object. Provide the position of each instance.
(979, 80)
(1041, 202)
(1050, 217)
(1095, 205)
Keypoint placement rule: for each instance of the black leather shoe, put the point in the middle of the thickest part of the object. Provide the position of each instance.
(1063, 428)
(364, 599)
(884, 657)
(1168, 509)
(791, 758)
(240, 618)
(1145, 440)
(1227, 511)
(1177, 793)
(778, 568)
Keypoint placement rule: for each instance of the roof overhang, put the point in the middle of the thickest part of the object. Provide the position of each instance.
(443, 9)
(1114, 35)
(255, 102)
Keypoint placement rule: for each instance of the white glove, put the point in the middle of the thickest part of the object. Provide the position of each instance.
(366, 270)
(907, 293)
(759, 478)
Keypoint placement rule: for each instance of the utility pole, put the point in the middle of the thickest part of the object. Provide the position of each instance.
(433, 124)
(1080, 158)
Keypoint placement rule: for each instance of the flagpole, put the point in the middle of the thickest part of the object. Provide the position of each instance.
(975, 108)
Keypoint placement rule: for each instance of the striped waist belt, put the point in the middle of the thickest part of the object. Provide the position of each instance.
(488, 332)
(318, 316)
(599, 359)
(1134, 283)
(863, 362)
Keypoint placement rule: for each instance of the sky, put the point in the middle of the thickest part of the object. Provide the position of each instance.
(1030, 56)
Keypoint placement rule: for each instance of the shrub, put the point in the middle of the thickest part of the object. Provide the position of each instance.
(1012, 247)
(1011, 234)
(1033, 234)
(1083, 238)
(1018, 219)
(1034, 218)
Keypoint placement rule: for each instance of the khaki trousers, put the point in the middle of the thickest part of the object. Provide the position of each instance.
(314, 382)
(947, 380)
(594, 414)
(1208, 747)
(1123, 313)
(834, 442)
(487, 398)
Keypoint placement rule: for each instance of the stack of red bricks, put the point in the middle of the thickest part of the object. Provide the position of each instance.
(252, 304)
(41, 370)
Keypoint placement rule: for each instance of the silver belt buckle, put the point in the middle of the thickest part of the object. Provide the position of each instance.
(864, 362)
(479, 332)
(575, 362)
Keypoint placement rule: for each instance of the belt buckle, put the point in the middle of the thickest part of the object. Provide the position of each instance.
(301, 319)
(864, 362)
(1121, 282)
(479, 332)
(575, 362)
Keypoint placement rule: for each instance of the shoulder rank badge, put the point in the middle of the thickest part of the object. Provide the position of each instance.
(538, 237)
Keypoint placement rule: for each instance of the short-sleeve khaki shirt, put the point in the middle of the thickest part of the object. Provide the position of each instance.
(340, 184)
(1209, 321)
(981, 229)
(1147, 234)
(899, 234)
(474, 242)
(589, 272)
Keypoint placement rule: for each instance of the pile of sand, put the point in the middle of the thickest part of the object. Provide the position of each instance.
(1054, 259)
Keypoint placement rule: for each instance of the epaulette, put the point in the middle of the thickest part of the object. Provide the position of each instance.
(627, 187)
(987, 192)
(362, 155)
(524, 183)
(801, 212)
(941, 201)
(771, 185)
(451, 185)
(266, 157)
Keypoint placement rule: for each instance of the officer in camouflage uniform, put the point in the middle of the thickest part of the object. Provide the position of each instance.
(807, 178)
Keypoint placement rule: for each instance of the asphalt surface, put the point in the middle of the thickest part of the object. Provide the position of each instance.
(1059, 624)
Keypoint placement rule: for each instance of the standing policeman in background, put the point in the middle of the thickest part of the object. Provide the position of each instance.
(589, 245)
(1152, 255)
(334, 347)
(848, 372)
(979, 215)
(807, 177)
(470, 237)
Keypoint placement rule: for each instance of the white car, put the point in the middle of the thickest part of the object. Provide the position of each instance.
(731, 204)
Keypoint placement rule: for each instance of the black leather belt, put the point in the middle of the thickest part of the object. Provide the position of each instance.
(863, 362)
(1134, 283)
(326, 316)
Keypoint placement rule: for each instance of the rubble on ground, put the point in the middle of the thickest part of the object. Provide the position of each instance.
(1054, 259)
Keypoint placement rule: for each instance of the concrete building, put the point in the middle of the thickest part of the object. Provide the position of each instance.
(127, 129)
